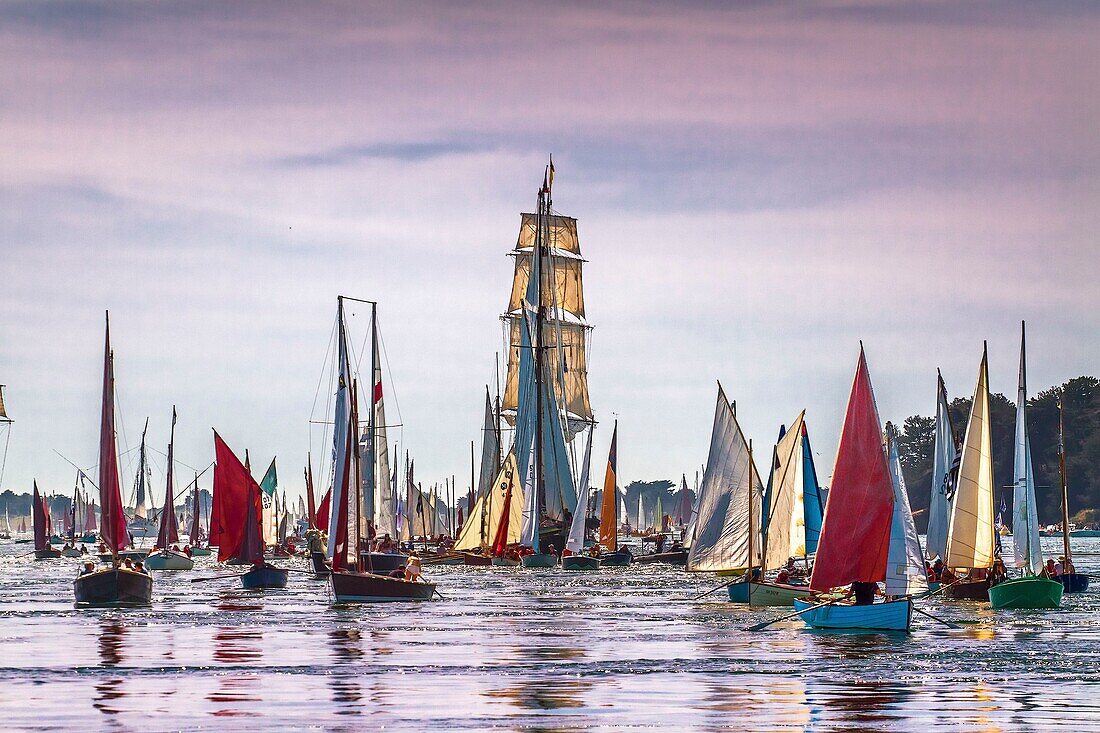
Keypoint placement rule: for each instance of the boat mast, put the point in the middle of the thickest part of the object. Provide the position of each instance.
(372, 497)
(540, 314)
(1065, 487)
(748, 471)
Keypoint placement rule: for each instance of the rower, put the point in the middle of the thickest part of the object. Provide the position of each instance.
(864, 593)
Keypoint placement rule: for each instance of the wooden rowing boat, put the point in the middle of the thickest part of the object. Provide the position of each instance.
(886, 616)
(113, 588)
(1074, 582)
(370, 588)
(264, 576)
(969, 590)
(765, 593)
(169, 560)
(619, 559)
(580, 562)
(539, 560)
(476, 560)
(1030, 592)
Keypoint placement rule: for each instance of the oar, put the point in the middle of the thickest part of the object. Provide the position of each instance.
(941, 589)
(215, 577)
(765, 624)
(948, 624)
(724, 585)
(441, 596)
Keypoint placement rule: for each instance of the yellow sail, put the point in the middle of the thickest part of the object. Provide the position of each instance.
(970, 540)
(574, 370)
(609, 506)
(563, 233)
(491, 505)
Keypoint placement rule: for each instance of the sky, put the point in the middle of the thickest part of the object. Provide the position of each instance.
(759, 186)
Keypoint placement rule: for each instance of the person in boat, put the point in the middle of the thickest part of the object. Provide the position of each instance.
(83, 549)
(398, 572)
(1064, 567)
(998, 573)
(864, 593)
(552, 550)
(139, 567)
(660, 543)
(89, 568)
(784, 576)
(103, 549)
(187, 550)
(937, 568)
(412, 570)
(128, 564)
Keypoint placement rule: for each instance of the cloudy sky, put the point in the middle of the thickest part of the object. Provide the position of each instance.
(758, 189)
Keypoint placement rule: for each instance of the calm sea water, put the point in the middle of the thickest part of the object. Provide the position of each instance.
(525, 650)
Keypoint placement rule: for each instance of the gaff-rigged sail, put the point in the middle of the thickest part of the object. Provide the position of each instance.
(855, 534)
(1025, 519)
(944, 464)
(235, 522)
(112, 519)
(723, 522)
(575, 542)
(168, 534)
(970, 542)
(905, 571)
(476, 534)
(40, 511)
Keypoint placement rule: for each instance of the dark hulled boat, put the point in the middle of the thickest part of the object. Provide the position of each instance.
(370, 588)
(969, 590)
(580, 562)
(382, 562)
(114, 586)
(264, 576)
(1074, 582)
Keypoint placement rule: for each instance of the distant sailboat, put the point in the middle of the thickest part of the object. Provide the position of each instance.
(856, 532)
(141, 525)
(945, 469)
(117, 585)
(1031, 590)
(1071, 580)
(970, 537)
(165, 558)
(611, 556)
(195, 535)
(906, 574)
(578, 559)
(40, 516)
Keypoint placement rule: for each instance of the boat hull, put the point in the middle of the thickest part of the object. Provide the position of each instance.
(680, 557)
(264, 576)
(766, 594)
(320, 563)
(1074, 582)
(970, 590)
(539, 560)
(371, 588)
(47, 554)
(382, 562)
(169, 561)
(113, 588)
(580, 562)
(200, 552)
(505, 562)
(615, 559)
(70, 552)
(887, 616)
(477, 561)
(1033, 592)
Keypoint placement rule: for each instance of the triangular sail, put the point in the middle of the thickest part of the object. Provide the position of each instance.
(342, 449)
(575, 542)
(905, 571)
(1025, 519)
(112, 519)
(235, 522)
(40, 518)
(970, 542)
(784, 529)
(168, 534)
(477, 533)
(194, 532)
(944, 464)
(723, 524)
(855, 533)
(268, 486)
(813, 501)
(609, 504)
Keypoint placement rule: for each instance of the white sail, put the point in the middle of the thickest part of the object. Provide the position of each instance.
(905, 571)
(943, 465)
(529, 532)
(641, 515)
(385, 505)
(970, 542)
(723, 524)
(575, 543)
(490, 448)
(1025, 519)
(785, 529)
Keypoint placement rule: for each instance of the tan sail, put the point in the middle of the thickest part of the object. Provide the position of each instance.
(3, 412)
(574, 370)
(470, 537)
(563, 233)
(568, 290)
(786, 515)
(970, 540)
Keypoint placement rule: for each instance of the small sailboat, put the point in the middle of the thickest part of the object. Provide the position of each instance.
(856, 531)
(1031, 590)
(971, 545)
(945, 471)
(475, 538)
(610, 554)
(1073, 582)
(164, 557)
(40, 516)
(195, 535)
(575, 557)
(116, 585)
(352, 582)
(5, 532)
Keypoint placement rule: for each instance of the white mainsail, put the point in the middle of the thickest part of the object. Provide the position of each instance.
(785, 529)
(641, 515)
(970, 541)
(723, 524)
(385, 504)
(1025, 518)
(575, 543)
(943, 479)
(905, 571)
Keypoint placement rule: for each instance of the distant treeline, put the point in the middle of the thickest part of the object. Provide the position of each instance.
(1081, 414)
(19, 505)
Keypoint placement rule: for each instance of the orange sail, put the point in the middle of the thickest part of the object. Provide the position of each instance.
(609, 507)
(855, 534)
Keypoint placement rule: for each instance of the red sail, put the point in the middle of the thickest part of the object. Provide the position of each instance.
(112, 520)
(322, 511)
(41, 518)
(501, 540)
(235, 522)
(195, 532)
(169, 527)
(855, 533)
(311, 506)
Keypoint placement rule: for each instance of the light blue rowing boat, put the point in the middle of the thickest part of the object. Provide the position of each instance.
(886, 616)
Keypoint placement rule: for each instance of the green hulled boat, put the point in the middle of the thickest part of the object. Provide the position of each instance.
(1031, 592)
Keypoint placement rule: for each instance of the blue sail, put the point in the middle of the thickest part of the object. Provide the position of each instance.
(812, 501)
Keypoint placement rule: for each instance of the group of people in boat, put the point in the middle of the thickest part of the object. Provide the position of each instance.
(126, 564)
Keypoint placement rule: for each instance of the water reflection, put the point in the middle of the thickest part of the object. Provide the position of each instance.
(861, 704)
(111, 638)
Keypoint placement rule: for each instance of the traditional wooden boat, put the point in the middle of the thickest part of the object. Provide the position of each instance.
(40, 518)
(371, 588)
(201, 552)
(619, 559)
(1074, 582)
(476, 559)
(867, 534)
(1071, 582)
(539, 560)
(764, 593)
(944, 476)
(1030, 593)
(886, 616)
(168, 560)
(580, 562)
(676, 557)
(971, 542)
(382, 562)
(261, 577)
(47, 554)
(115, 586)
(505, 562)
(70, 551)
(449, 559)
(320, 563)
